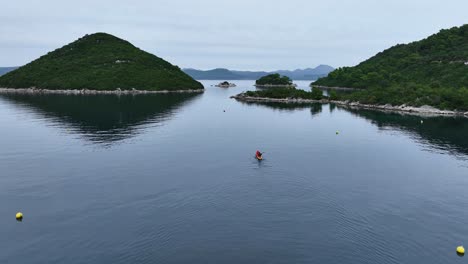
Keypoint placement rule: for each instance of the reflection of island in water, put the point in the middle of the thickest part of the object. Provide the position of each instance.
(444, 133)
(448, 134)
(315, 108)
(103, 118)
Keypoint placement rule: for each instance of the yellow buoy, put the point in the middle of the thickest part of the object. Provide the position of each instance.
(460, 250)
(19, 216)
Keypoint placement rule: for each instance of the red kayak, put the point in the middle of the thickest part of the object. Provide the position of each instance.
(258, 155)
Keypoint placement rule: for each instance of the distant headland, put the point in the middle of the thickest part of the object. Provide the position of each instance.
(225, 74)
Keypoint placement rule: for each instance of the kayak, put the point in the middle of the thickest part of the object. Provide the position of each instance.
(259, 157)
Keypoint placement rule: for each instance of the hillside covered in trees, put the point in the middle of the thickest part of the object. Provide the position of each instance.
(100, 62)
(274, 79)
(433, 71)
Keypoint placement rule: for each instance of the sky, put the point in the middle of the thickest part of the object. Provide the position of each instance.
(241, 34)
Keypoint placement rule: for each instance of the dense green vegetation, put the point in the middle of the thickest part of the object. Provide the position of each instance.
(102, 62)
(432, 71)
(333, 95)
(281, 93)
(415, 95)
(274, 79)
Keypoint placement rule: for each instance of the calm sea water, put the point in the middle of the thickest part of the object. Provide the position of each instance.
(173, 179)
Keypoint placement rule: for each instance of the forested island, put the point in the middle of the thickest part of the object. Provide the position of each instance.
(433, 71)
(100, 62)
(429, 76)
(274, 80)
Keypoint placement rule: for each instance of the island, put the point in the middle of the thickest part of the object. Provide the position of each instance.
(427, 77)
(225, 84)
(98, 63)
(274, 80)
(431, 72)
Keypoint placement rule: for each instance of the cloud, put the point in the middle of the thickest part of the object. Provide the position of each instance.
(236, 34)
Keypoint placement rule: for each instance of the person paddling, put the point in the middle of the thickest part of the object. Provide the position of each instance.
(258, 154)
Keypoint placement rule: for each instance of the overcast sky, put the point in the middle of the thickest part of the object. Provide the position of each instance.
(241, 34)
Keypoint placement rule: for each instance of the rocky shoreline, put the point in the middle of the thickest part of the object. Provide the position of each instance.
(90, 92)
(225, 84)
(275, 86)
(334, 88)
(422, 111)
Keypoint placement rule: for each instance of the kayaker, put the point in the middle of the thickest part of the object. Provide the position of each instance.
(258, 154)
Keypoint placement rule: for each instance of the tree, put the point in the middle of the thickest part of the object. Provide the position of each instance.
(333, 95)
(274, 79)
(317, 94)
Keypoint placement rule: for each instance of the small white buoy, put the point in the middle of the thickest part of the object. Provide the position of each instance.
(19, 216)
(422, 121)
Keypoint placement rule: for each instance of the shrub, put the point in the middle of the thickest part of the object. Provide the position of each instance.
(317, 94)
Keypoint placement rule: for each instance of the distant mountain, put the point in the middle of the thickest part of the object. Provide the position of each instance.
(99, 62)
(4, 70)
(225, 74)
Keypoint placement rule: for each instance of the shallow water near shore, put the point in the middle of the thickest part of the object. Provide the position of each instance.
(172, 178)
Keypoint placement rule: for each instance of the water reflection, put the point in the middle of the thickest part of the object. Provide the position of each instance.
(279, 106)
(315, 109)
(103, 119)
(448, 134)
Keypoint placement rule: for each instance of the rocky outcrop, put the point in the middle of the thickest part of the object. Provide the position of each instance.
(226, 84)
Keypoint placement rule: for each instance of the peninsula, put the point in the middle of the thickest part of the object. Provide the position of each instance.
(297, 96)
(99, 63)
(427, 77)
(432, 71)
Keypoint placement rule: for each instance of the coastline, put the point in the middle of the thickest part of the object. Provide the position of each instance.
(420, 111)
(91, 92)
(334, 88)
(275, 86)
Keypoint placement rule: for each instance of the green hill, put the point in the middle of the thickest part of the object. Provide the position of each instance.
(433, 71)
(99, 62)
(274, 79)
